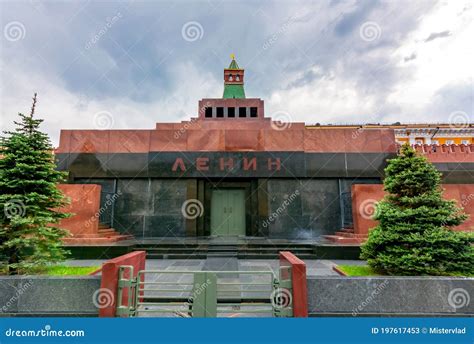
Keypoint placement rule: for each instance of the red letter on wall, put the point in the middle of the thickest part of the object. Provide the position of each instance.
(276, 164)
(202, 164)
(252, 164)
(178, 163)
(223, 164)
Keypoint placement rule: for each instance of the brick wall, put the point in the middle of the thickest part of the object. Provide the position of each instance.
(364, 197)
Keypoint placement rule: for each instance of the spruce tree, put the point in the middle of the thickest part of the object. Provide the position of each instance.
(29, 198)
(414, 235)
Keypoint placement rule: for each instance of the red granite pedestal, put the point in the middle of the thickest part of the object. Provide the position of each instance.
(83, 225)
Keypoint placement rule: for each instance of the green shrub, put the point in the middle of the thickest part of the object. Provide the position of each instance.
(29, 198)
(414, 235)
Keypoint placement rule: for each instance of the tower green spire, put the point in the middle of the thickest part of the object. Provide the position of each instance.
(233, 63)
(233, 80)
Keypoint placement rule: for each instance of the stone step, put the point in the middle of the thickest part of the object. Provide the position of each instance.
(277, 244)
(159, 244)
(347, 229)
(298, 249)
(282, 246)
(221, 254)
(99, 240)
(257, 250)
(239, 255)
(106, 232)
(222, 249)
(177, 256)
(344, 240)
(350, 235)
(273, 256)
(157, 248)
(242, 249)
(100, 235)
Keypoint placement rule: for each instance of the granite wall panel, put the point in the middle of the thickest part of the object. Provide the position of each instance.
(150, 207)
(308, 208)
(321, 202)
(387, 296)
(303, 209)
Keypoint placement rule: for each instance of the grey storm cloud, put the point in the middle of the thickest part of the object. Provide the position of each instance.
(135, 50)
(351, 20)
(409, 58)
(452, 98)
(307, 78)
(436, 35)
(135, 56)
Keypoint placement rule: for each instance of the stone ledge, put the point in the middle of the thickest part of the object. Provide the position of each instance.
(396, 296)
(48, 295)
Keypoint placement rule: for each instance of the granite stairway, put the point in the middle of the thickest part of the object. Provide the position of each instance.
(105, 235)
(247, 250)
(346, 236)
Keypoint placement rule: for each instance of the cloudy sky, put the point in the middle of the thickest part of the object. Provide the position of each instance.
(144, 62)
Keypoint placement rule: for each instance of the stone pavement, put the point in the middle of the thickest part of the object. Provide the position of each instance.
(314, 267)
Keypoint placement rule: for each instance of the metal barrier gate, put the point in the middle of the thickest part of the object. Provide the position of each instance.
(167, 293)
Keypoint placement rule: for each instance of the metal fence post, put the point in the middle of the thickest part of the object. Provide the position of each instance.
(282, 293)
(204, 295)
(129, 284)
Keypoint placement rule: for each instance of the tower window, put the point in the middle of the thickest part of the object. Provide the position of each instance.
(237, 78)
(242, 112)
(220, 112)
(253, 112)
(231, 77)
(208, 113)
(231, 112)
